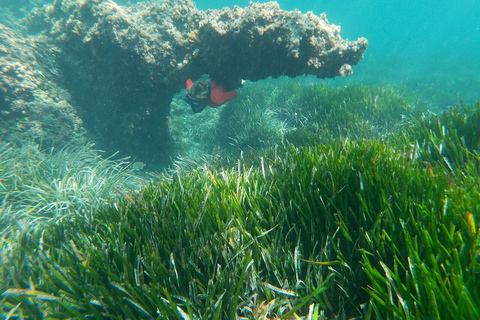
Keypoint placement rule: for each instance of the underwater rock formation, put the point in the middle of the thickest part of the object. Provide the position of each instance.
(122, 65)
(31, 106)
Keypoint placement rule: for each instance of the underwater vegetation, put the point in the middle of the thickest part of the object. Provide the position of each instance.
(368, 221)
(40, 188)
(268, 112)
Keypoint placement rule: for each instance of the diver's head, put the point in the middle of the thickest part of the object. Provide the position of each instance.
(198, 95)
(199, 91)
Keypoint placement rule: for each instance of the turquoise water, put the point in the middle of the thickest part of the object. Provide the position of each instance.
(429, 46)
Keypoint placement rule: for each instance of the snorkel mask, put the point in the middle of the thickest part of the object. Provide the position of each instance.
(199, 104)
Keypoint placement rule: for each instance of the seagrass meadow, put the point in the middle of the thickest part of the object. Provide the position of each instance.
(343, 203)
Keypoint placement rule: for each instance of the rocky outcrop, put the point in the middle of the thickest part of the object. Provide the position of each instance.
(122, 65)
(32, 106)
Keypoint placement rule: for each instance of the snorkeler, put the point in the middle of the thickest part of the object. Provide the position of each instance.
(203, 93)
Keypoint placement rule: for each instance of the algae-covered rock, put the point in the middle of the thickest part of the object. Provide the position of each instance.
(122, 65)
(32, 107)
(178, 41)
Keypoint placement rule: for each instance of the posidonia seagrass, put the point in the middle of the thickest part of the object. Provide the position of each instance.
(371, 226)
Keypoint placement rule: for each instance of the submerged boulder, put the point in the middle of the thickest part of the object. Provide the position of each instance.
(122, 65)
(32, 106)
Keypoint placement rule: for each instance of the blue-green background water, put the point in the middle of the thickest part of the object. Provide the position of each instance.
(429, 46)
